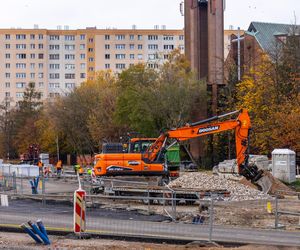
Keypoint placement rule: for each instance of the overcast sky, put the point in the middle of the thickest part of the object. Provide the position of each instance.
(143, 13)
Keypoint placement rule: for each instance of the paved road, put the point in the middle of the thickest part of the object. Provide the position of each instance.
(60, 217)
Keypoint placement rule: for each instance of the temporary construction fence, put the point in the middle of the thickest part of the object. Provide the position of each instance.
(165, 216)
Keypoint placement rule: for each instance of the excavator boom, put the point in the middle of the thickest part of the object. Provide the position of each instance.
(241, 125)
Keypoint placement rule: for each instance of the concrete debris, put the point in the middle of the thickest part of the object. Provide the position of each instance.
(204, 181)
(230, 166)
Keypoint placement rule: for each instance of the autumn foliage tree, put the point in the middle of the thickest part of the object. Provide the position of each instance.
(271, 93)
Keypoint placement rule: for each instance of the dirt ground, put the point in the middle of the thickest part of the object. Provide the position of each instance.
(20, 241)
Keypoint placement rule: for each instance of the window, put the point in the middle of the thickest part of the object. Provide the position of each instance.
(7, 46)
(41, 84)
(152, 37)
(41, 56)
(131, 65)
(82, 46)
(168, 47)
(7, 36)
(107, 46)
(140, 46)
(107, 56)
(181, 37)
(153, 65)
(20, 37)
(54, 37)
(82, 37)
(107, 37)
(82, 75)
(82, 56)
(90, 50)
(52, 95)
(120, 46)
(120, 37)
(19, 94)
(69, 56)
(152, 46)
(153, 56)
(7, 85)
(7, 75)
(7, 65)
(54, 85)
(32, 75)
(181, 47)
(32, 65)
(7, 56)
(32, 36)
(54, 75)
(120, 56)
(41, 65)
(82, 65)
(69, 76)
(41, 46)
(41, 75)
(41, 37)
(7, 94)
(107, 66)
(140, 37)
(20, 75)
(168, 38)
(54, 47)
(70, 66)
(91, 68)
(21, 65)
(140, 56)
(54, 56)
(32, 46)
(131, 56)
(120, 66)
(91, 59)
(32, 56)
(21, 56)
(69, 47)
(91, 40)
(54, 66)
(69, 85)
(20, 46)
(131, 46)
(131, 37)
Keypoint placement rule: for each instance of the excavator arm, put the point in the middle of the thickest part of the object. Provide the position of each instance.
(241, 125)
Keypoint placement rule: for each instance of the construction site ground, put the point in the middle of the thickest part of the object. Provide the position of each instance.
(18, 241)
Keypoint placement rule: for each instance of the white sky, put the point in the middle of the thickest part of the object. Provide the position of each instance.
(144, 13)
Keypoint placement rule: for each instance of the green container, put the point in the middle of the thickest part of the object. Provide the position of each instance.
(173, 155)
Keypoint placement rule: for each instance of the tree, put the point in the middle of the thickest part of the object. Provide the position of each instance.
(271, 93)
(100, 122)
(150, 100)
(24, 116)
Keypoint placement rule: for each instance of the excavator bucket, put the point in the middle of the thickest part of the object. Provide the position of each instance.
(265, 183)
(270, 185)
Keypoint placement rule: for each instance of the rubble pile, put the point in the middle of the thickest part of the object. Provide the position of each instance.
(230, 166)
(204, 181)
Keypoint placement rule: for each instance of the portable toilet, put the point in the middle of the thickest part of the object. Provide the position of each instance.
(284, 165)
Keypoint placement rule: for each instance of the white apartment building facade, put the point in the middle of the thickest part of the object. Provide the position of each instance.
(57, 61)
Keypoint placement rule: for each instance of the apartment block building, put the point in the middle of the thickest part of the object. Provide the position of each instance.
(57, 61)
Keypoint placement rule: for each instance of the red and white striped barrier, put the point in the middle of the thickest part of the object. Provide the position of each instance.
(79, 211)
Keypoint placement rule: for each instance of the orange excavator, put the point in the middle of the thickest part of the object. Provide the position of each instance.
(152, 161)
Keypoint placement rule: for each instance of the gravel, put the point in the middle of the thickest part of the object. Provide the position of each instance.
(201, 180)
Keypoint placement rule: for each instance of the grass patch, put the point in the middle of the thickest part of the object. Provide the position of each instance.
(295, 185)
